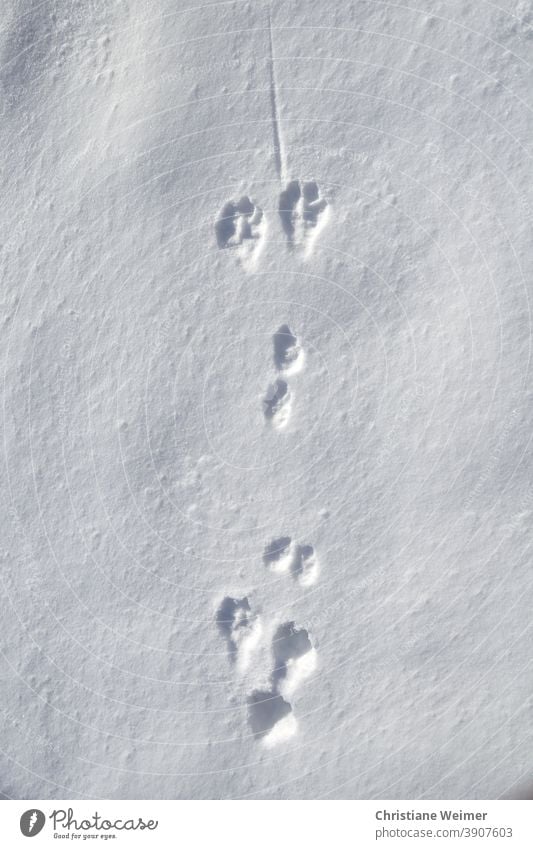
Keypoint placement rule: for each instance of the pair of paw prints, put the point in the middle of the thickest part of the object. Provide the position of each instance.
(300, 561)
(288, 360)
(291, 654)
(242, 224)
(270, 713)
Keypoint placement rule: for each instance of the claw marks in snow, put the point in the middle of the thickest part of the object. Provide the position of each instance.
(303, 213)
(241, 225)
(283, 555)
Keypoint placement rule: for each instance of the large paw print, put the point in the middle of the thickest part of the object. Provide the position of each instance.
(270, 713)
(303, 213)
(292, 656)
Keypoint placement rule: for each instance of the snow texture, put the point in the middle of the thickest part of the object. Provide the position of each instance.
(267, 399)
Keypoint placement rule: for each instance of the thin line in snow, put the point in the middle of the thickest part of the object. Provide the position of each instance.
(276, 131)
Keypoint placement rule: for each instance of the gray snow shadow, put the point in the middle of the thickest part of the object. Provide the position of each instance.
(287, 204)
(265, 709)
(225, 226)
(26, 46)
(276, 551)
(233, 614)
(285, 347)
(522, 791)
(289, 643)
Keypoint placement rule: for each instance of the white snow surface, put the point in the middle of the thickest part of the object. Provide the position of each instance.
(267, 398)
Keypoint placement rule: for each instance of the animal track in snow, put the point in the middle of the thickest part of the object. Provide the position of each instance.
(279, 554)
(288, 359)
(240, 629)
(269, 711)
(277, 403)
(282, 555)
(294, 657)
(288, 353)
(241, 225)
(292, 654)
(302, 212)
(305, 567)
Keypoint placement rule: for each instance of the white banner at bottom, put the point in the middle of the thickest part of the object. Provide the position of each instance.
(268, 825)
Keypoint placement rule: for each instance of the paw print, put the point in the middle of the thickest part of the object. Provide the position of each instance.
(270, 714)
(277, 403)
(302, 212)
(291, 654)
(240, 629)
(241, 225)
(288, 359)
(300, 561)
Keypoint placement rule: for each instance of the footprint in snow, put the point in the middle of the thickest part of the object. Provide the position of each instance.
(240, 629)
(270, 712)
(303, 213)
(288, 353)
(292, 654)
(241, 225)
(288, 358)
(277, 403)
(284, 555)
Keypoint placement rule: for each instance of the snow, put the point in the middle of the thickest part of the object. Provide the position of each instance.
(266, 271)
